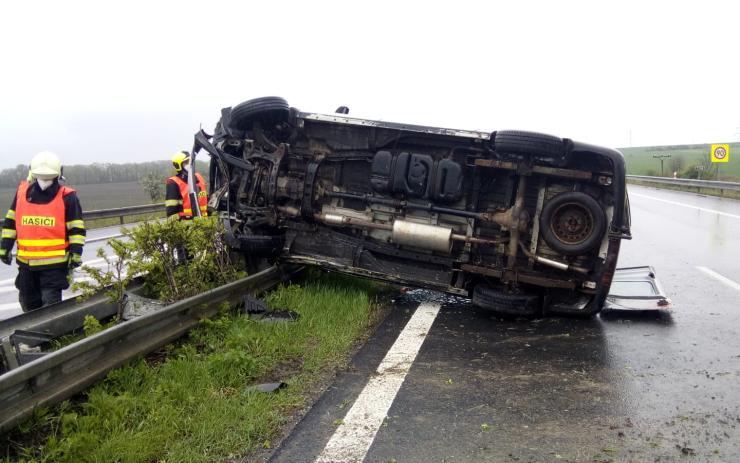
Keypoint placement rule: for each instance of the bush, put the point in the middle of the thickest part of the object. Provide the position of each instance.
(151, 250)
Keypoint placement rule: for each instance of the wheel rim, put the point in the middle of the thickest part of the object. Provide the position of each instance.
(572, 223)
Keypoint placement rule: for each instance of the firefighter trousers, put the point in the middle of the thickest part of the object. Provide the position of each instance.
(39, 288)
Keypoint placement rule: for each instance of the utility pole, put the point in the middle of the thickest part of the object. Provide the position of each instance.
(662, 158)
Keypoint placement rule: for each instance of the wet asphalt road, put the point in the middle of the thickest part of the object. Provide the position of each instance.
(642, 388)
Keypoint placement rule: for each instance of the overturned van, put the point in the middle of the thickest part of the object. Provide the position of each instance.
(524, 223)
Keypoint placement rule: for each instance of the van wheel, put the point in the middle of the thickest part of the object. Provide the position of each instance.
(529, 143)
(500, 299)
(571, 305)
(267, 110)
(572, 223)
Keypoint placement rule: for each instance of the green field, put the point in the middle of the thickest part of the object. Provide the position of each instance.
(683, 160)
(95, 196)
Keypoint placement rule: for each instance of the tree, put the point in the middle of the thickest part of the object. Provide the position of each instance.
(153, 184)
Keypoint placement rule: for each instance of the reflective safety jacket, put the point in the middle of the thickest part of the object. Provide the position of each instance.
(181, 205)
(41, 229)
(43, 199)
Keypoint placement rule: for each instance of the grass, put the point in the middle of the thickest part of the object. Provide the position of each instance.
(195, 405)
(683, 158)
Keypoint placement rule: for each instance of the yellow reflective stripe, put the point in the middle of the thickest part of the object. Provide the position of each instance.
(3, 252)
(39, 262)
(77, 239)
(10, 215)
(173, 202)
(41, 242)
(75, 224)
(25, 253)
(187, 211)
(7, 233)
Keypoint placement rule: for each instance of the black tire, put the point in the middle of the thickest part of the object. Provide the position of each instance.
(261, 245)
(242, 240)
(520, 142)
(507, 302)
(577, 306)
(268, 110)
(572, 223)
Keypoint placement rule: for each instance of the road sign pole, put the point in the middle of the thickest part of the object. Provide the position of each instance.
(662, 158)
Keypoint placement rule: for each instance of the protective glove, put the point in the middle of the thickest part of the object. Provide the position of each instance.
(6, 257)
(75, 260)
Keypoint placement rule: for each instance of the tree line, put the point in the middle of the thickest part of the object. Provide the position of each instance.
(101, 172)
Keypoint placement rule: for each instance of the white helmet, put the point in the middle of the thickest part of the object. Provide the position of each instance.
(46, 166)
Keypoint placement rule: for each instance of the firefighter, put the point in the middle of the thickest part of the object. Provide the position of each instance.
(177, 199)
(45, 219)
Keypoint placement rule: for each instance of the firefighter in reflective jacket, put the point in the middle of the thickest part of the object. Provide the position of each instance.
(45, 219)
(177, 199)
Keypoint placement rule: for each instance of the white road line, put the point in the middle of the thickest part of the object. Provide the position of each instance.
(353, 437)
(731, 283)
(713, 211)
(13, 289)
(103, 238)
(89, 263)
(11, 306)
(5, 314)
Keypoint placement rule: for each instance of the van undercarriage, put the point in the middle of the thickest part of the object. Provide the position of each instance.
(519, 221)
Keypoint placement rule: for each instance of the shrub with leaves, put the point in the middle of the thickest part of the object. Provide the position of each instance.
(151, 250)
(117, 274)
(91, 325)
(207, 263)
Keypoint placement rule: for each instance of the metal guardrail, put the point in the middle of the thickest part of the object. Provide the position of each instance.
(122, 212)
(119, 212)
(61, 374)
(42, 325)
(688, 182)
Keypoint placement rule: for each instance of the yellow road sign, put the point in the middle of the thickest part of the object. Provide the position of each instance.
(720, 153)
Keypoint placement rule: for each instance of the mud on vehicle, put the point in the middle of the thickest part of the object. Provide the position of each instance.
(521, 222)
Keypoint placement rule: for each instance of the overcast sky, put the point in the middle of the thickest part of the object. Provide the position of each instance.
(132, 81)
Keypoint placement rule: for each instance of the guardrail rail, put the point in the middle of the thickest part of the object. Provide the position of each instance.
(688, 182)
(69, 370)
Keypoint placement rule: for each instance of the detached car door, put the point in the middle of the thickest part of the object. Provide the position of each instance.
(636, 288)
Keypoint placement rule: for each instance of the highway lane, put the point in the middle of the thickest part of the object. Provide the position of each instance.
(619, 387)
(9, 294)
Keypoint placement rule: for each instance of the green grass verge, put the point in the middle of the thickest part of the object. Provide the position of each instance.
(195, 405)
